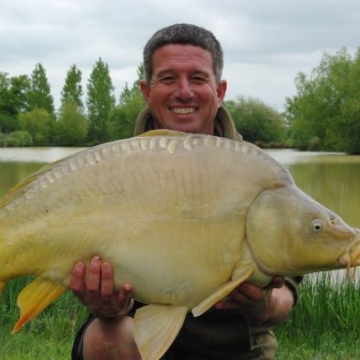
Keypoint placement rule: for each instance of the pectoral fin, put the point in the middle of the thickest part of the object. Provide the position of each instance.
(156, 327)
(224, 290)
(34, 298)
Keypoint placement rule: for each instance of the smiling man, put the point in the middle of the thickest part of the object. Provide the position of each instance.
(184, 92)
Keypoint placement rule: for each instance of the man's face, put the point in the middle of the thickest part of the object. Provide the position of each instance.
(183, 94)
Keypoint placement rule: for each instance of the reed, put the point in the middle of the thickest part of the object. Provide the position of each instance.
(324, 325)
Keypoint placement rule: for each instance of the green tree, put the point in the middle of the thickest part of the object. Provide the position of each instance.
(39, 124)
(13, 100)
(40, 95)
(72, 90)
(325, 112)
(257, 122)
(100, 102)
(71, 127)
(122, 118)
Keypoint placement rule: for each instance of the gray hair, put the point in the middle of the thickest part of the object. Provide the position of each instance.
(184, 34)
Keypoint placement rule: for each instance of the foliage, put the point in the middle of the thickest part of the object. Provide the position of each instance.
(13, 100)
(39, 124)
(39, 94)
(71, 127)
(326, 110)
(122, 118)
(100, 101)
(19, 138)
(256, 121)
(72, 90)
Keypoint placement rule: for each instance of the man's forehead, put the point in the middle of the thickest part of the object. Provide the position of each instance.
(179, 55)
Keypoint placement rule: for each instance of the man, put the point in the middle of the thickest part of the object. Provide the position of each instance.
(184, 91)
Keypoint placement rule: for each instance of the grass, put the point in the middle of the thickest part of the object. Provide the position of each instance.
(49, 336)
(323, 326)
(325, 323)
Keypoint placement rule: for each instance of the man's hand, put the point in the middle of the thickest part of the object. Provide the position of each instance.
(270, 304)
(94, 287)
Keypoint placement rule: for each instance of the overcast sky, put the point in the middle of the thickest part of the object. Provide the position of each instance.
(266, 43)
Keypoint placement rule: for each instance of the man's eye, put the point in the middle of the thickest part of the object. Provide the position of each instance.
(198, 79)
(167, 79)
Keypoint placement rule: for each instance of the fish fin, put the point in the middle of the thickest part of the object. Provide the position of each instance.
(162, 132)
(156, 327)
(223, 291)
(34, 298)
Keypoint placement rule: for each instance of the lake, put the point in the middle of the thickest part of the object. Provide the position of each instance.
(333, 179)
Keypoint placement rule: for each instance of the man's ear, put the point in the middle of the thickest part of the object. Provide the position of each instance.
(145, 89)
(221, 91)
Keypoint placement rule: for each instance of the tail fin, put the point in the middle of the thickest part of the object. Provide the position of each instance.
(34, 298)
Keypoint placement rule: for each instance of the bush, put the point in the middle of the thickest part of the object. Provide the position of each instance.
(19, 138)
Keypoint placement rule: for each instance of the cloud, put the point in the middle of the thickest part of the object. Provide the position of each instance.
(266, 42)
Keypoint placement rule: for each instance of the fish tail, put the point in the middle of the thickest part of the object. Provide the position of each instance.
(34, 298)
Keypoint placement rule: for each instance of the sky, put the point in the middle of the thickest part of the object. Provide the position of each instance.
(266, 43)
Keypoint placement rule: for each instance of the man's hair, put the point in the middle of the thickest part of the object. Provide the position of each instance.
(184, 34)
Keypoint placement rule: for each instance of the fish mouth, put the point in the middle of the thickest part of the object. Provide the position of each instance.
(351, 257)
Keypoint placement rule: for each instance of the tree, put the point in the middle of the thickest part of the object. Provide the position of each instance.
(72, 90)
(39, 124)
(40, 95)
(71, 127)
(122, 118)
(100, 101)
(326, 109)
(13, 100)
(257, 122)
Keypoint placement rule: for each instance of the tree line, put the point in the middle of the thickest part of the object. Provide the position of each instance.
(28, 116)
(323, 115)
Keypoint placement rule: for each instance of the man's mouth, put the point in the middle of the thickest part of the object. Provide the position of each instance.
(183, 111)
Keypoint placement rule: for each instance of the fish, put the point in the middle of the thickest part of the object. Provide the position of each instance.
(184, 218)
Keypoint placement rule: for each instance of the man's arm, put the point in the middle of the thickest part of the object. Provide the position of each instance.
(109, 335)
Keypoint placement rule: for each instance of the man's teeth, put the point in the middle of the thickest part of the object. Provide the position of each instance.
(183, 110)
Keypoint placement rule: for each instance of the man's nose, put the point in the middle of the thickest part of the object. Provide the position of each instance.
(184, 90)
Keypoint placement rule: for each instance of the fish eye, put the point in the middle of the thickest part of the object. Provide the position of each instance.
(317, 225)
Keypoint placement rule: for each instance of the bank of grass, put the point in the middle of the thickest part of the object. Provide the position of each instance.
(325, 325)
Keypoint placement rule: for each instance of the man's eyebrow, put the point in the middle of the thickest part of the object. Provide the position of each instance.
(192, 73)
(164, 72)
(200, 72)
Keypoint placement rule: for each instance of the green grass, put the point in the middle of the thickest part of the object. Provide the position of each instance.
(324, 325)
(49, 336)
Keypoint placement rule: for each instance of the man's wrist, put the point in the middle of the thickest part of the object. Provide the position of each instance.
(109, 315)
(113, 314)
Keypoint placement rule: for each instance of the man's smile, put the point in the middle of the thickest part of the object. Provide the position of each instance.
(183, 111)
